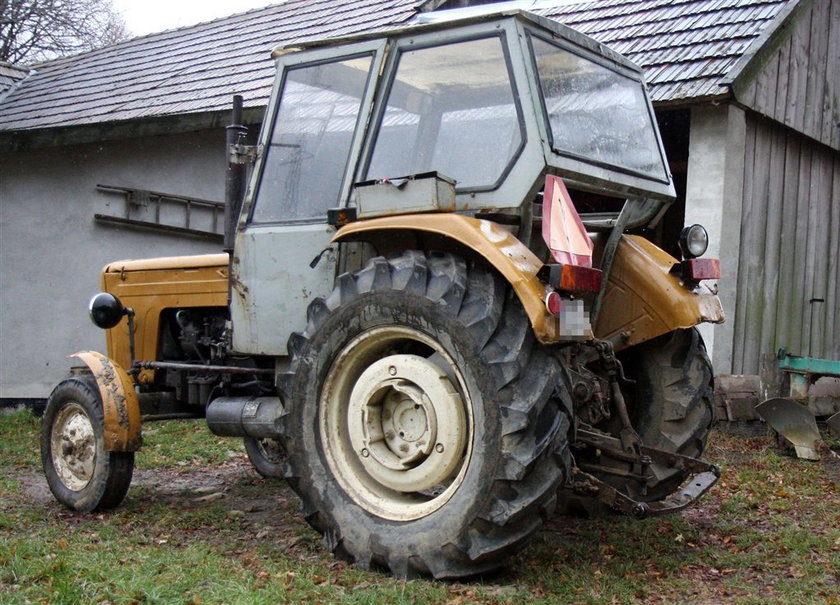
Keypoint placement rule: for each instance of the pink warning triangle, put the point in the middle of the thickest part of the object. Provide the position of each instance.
(562, 229)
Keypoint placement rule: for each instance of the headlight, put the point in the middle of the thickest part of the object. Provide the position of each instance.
(106, 310)
(693, 241)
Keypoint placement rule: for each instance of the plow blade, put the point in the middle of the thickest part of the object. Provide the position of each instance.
(794, 422)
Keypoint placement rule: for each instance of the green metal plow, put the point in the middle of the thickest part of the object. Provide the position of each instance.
(789, 417)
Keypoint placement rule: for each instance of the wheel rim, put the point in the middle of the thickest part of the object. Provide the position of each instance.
(73, 446)
(396, 423)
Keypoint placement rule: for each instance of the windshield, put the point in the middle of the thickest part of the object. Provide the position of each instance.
(596, 113)
(311, 139)
(448, 109)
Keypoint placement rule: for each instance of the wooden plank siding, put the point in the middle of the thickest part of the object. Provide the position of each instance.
(833, 70)
(794, 78)
(790, 247)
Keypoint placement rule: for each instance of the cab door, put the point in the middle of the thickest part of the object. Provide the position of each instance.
(310, 142)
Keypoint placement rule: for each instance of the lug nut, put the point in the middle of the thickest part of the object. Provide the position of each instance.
(365, 453)
(439, 448)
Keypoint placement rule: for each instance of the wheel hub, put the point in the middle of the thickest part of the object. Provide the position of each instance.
(407, 423)
(73, 447)
(408, 420)
(395, 422)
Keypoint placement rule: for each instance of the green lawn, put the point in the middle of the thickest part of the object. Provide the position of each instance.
(199, 526)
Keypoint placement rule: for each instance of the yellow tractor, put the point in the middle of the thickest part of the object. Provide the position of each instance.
(437, 315)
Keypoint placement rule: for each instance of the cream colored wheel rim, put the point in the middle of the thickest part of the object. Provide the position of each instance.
(395, 423)
(73, 446)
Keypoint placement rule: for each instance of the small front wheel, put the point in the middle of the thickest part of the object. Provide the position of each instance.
(80, 473)
(267, 456)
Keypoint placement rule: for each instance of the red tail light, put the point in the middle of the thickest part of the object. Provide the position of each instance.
(553, 303)
(696, 269)
(571, 278)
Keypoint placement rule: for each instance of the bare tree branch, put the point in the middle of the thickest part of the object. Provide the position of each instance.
(38, 30)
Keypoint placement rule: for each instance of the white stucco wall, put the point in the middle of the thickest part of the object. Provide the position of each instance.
(52, 250)
(714, 190)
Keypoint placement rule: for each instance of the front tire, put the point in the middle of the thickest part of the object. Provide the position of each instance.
(423, 418)
(80, 473)
(267, 456)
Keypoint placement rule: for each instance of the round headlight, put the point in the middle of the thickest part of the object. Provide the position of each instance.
(105, 310)
(693, 241)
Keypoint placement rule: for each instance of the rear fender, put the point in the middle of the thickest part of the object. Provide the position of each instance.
(645, 299)
(510, 257)
(120, 405)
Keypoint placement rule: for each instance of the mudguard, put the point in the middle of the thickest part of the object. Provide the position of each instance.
(510, 257)
(120, 405)
(643, 298)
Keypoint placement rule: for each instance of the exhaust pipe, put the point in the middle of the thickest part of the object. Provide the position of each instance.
(235, 134)
(245, 416)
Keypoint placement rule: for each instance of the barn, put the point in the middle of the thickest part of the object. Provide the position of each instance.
(118, 153)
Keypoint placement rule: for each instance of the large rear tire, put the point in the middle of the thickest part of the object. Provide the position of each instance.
(671, 402)
(424, 431)
(80, 473)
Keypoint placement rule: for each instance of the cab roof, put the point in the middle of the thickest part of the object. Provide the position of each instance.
(456, 18)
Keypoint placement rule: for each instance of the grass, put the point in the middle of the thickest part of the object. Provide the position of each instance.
(199, 526)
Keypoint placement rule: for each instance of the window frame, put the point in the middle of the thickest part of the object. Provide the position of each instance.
(292, 61)
(439, 39)
(637, 78)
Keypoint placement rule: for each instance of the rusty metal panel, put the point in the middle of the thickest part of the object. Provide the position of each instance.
(278, 271)
(120, 405)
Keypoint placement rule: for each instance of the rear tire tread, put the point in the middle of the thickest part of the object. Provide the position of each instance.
(526, 480)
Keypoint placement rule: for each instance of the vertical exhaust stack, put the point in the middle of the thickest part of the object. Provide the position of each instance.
(235, 134)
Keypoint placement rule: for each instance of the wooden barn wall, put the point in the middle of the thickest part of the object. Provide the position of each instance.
(794, 78)
(788, 292)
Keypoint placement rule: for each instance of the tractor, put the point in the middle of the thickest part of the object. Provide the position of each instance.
(437, 314)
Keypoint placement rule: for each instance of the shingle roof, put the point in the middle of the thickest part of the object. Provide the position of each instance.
(685, 46)
(192, 69)
(10, 75)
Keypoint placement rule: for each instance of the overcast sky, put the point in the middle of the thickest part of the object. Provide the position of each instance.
(148, 16)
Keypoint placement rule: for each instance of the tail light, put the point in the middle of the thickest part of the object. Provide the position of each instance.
(553, 303)
(572, 279)
(697, 269)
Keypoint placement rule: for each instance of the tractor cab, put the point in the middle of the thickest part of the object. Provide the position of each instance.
(486, 107)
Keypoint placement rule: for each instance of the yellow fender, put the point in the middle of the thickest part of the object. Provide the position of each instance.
(120, 405)
(517, 264)
(642, 300)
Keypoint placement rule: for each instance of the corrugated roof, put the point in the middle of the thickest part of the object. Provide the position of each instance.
(685, 46)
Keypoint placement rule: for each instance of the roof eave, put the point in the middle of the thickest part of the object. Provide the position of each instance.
(741, 75)
(724, 97)
(37, 138)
